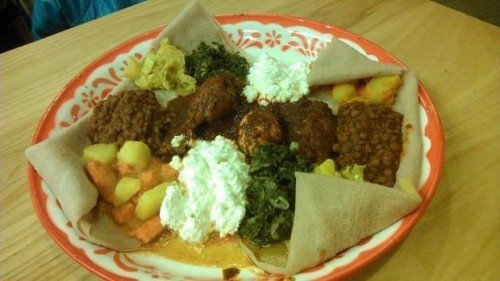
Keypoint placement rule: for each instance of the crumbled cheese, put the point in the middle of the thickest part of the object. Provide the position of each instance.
(176, 162)
(177, 140)
(272, 81)
(210, 193)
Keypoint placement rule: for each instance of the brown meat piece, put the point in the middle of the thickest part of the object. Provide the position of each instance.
(370, 134)
(259, 126)
(210, 103)
(311, 124)
(214, 98)
(175, 122)
(228, 125)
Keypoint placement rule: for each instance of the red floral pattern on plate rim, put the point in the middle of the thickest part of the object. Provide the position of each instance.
(433, 131)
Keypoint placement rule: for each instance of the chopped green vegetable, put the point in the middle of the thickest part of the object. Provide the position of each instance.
(207, 61)
(271, 195)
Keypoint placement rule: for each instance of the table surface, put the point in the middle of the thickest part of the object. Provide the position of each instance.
(456, 57)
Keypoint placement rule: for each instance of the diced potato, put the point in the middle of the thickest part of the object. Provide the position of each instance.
(326, 168)
(103, 178)
(406, 185)
(102, 152)
(382, 89)
(135, 153)
(125, 189)
(149, 203)
(344, 92)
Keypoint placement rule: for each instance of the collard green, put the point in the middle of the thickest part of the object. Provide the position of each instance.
(209, 60)
(271, 195)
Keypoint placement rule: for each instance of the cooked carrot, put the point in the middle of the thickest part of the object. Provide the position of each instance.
(123, 169)
(124, 213)
(157, 172)
(149, 179)
(167, 173)
(103, 178)
(148, 230)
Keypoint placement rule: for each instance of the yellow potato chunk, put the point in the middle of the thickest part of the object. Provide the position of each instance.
(326, 168)
(149, 203)
(135, 153)
(382, 89)
(125, 189)
(344, 92)
(102, 152)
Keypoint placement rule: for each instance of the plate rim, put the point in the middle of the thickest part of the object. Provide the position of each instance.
(264, 18)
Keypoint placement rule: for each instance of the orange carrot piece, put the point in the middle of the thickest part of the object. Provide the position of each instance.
(157, 172)
(149, 230)
(149, 179)
(103, 178)
(123, 169)
(167, 173)
(124, 213)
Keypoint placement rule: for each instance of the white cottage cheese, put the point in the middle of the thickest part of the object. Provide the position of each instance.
(272, 81)
(210, 193)
(177, 140)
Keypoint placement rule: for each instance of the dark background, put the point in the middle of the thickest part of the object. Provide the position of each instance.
(15, 18)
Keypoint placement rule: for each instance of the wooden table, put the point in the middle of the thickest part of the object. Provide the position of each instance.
(456, 57)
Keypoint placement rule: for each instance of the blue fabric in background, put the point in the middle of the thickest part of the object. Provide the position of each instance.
(52, 16)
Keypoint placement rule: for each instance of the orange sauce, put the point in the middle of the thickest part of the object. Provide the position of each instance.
(275, 254)
(216, 252)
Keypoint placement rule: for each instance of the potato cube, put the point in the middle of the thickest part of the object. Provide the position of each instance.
(102, 152)
(135, 153)
(344, 92)
(149, 203)
(326, 168)
(382, 89)
(125, 189)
